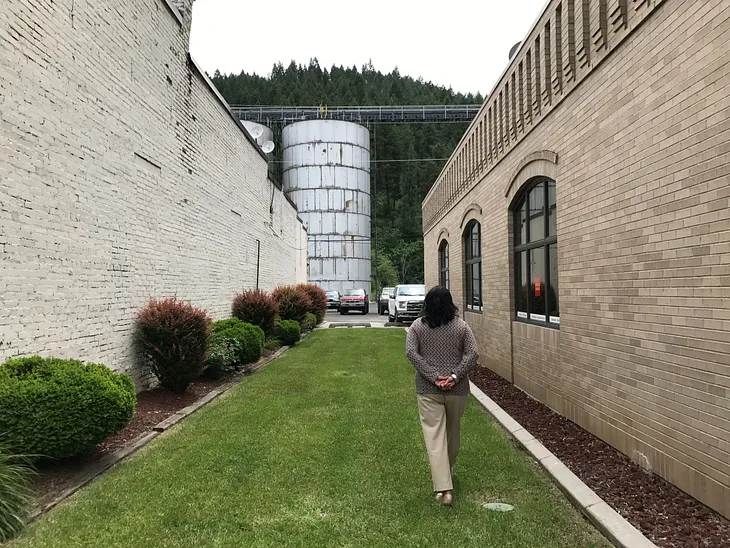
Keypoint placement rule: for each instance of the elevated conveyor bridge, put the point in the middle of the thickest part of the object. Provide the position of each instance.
(281, 116)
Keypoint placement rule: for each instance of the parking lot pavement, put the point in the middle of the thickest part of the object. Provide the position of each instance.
(373, 318)
(356, 317)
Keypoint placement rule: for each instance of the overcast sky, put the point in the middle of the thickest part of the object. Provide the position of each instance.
(459, 43)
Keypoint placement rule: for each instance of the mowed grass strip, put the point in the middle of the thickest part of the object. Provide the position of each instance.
(321, 448)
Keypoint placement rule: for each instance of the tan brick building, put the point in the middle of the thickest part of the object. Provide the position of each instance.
(592, 191)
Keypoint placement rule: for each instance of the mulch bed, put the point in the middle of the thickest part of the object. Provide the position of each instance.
(153, 406)
(666, 515)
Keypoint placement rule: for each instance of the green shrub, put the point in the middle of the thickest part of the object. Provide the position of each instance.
(15, 494)
(293, 302)
(261, 335)
(308, 323)
(288, 332)
(221, 325)
(174, 338)
(222, 358)
(246, 340)
(257, 308)
(272, 344)
(57, 408)
(318, 298)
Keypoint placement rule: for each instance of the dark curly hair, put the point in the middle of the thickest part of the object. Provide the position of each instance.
(439, 307)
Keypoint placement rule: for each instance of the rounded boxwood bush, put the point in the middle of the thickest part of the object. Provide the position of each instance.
(260, 334)
(246, 340)
(288, 332)
(57, 408)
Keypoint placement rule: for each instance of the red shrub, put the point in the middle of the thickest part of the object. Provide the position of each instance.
(174, 338)
(293, 303)
(257, 308)
(318, 298)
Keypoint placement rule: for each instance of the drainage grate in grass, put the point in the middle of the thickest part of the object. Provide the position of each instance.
(498, 507)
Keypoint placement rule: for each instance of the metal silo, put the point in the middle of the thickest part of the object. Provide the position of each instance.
(326, 173)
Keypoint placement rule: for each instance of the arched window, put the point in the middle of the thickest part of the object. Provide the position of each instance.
(473, 266)
(444, 264)
(536, 254)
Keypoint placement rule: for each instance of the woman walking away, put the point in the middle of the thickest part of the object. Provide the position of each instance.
(443, 351)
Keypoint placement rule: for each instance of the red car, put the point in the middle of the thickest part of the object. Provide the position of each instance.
(354, 299)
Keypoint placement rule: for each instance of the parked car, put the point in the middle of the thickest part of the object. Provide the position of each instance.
(406, 302)
(383, 299)
(333, 299)
(354, 299)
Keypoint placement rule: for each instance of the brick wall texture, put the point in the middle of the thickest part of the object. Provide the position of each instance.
(631, 118)
(122, 176)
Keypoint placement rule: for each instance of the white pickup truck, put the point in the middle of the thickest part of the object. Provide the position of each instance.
(405, 302)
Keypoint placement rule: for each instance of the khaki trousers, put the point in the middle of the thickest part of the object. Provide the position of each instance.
(441, 422)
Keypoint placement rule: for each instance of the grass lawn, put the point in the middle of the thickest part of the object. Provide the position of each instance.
(321, 448)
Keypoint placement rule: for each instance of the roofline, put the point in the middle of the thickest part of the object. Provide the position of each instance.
(225, 105)
(488, 97)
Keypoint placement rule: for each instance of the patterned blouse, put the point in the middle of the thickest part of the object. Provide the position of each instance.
(439, 352)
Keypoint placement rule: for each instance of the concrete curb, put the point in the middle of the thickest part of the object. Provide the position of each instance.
(112, 459)
(355, 325)
(172, 420)
(619, 531)
(262, 363)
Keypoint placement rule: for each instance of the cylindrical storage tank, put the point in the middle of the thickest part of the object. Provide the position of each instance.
(264, 133)
(326, 173)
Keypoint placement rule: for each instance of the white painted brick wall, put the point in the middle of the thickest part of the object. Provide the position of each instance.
(121, 177)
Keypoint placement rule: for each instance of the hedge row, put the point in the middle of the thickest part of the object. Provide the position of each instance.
(53, 408)
(59, 408)
(179, 342)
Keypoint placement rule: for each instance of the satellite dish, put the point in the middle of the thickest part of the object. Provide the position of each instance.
(257, 131)
(514, 50)
(268, 147)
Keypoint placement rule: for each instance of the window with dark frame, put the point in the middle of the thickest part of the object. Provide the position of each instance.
(473, 266)
(444, 264)
(536, 255)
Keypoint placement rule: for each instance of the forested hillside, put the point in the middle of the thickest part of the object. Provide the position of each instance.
(405, 166)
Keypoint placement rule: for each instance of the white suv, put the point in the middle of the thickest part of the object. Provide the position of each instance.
(406, 302)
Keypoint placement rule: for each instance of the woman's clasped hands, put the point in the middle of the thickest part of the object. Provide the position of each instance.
(445, 383)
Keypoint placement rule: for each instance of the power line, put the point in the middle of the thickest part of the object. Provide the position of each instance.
(410, 160)
(358, 240)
